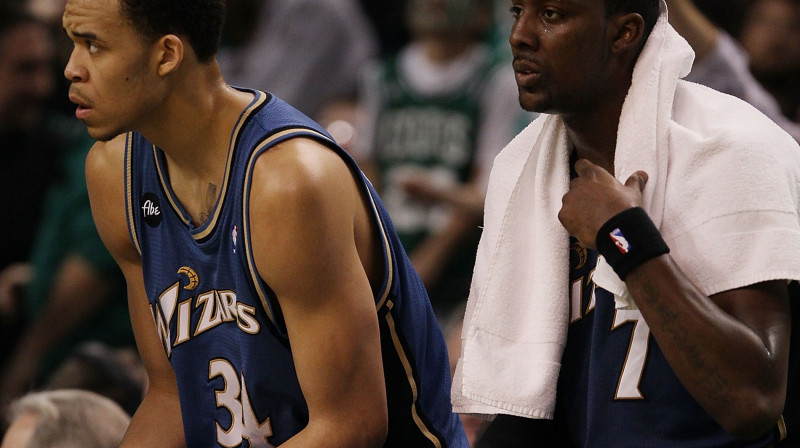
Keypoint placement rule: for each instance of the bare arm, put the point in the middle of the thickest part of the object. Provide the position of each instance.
(499, 123)
(729, 350)
(309, 257)
(79, 292)
(721, 67)
(693, 25)
(12, 279)
(431, 256)
(466, 198)
(157, 421)
(160, 408)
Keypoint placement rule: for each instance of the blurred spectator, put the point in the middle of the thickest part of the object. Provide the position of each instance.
(49, 12)
(722, 64)
(725, 14)
(307, 52)
(432, 119)
(65, 419)
(392, 33)
(75, 292)
(117, 374)
(64, 288)
(27, 144)
(771, 37)
(28, 147)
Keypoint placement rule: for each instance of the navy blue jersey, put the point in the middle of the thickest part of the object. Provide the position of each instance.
(616, 387)
(222, 327)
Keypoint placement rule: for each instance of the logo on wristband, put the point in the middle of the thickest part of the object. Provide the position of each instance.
(620, 241)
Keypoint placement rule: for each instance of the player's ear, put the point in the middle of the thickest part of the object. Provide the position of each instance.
(626, 32)
(169, 54)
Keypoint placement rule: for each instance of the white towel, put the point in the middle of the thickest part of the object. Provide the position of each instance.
(517, 314)
(643, 127)
(505, 319)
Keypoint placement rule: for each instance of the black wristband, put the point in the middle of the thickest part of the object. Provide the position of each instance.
(629, 239)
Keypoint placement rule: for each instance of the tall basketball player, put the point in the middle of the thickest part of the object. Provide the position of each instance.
(270, 299)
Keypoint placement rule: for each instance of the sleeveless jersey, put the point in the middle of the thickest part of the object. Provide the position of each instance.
(616, 387)
(222, 326)
(436, 134)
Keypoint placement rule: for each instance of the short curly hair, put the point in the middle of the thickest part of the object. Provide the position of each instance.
(200, 21)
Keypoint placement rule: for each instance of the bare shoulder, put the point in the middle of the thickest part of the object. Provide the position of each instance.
(105, 179)
(302, 171)
(105, 161)
(306, 202)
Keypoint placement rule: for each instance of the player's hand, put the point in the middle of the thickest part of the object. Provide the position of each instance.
(594, 197)
(12, 280)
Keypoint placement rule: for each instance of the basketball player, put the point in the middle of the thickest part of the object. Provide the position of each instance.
(697, 356)
(270, 299)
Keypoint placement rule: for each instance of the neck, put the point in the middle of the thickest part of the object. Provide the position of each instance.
(443, 50)
(194, 122)
(593, 131)
(193, 127)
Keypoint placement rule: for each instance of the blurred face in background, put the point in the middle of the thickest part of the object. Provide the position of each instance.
(771, 36)
(448, 17)
(26, 75)
(48, 10)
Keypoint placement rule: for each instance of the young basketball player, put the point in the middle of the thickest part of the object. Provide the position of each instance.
(270, 298)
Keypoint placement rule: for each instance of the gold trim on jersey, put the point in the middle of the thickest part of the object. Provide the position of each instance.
(129, 191)
(255, 277)
(384, 294)
(782, 431)
(211, 222)
(412, 383)
(387, 249)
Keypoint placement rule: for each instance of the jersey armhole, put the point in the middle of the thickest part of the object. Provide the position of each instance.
(130, 200)
(382, 297)
(265, 294)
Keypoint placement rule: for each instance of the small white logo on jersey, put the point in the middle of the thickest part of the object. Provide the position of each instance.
(151, 209)
(620, 241)
(234, 234)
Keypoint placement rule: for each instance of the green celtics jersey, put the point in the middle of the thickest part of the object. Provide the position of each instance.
(433, 133)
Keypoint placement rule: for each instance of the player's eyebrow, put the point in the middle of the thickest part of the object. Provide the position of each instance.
(82, 35)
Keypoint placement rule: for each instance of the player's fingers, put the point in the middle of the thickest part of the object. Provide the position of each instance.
(638, 180)
(584, 167)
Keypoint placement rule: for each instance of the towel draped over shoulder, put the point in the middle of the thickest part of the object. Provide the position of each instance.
(723, 190)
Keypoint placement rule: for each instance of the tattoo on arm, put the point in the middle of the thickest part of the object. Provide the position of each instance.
(675, 330)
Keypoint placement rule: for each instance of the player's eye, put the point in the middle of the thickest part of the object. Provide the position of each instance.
(551, 14)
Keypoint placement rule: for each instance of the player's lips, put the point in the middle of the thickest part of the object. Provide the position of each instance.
(526, 71)
(84, 109)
